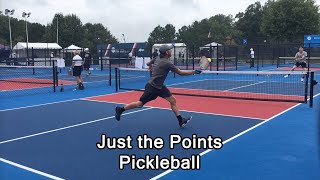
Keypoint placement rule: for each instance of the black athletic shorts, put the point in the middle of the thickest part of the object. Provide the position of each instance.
(77, 70)
(302, 64)
(151, 93)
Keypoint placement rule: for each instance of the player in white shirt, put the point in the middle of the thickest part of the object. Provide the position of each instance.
(252, 58)
(77, 63)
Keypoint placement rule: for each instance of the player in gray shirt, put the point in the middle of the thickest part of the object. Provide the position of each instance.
(300, 60)
(155, 86)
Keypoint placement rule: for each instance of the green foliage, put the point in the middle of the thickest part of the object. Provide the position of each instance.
(289, 20)
(220, 26)
(249, 22)
(160, 34)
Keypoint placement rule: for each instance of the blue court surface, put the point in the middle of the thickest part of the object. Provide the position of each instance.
(55, 135)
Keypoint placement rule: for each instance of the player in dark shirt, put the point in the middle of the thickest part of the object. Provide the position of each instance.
(87, 61)
(155, 87)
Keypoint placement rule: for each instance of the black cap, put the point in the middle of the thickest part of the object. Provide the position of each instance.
(164, 48)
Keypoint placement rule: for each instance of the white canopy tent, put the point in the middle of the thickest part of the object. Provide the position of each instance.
(178, 48)
(72, 48)
(213, 44)
(37, 50)
(24, 45)
(214, 48)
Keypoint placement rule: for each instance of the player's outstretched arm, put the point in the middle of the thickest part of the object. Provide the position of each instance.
(187, 72)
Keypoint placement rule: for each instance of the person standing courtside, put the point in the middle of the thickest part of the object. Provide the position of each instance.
(87, 61)
(252, 58)
(77, 69)
(155, 54)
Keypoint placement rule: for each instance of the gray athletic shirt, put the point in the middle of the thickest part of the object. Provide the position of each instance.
(300, 55)
(161, 68)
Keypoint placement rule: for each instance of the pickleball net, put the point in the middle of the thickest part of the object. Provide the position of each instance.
(246, 85)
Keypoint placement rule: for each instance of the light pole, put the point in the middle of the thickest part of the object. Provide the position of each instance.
(26, 15)
(57, 29)
(8, 13)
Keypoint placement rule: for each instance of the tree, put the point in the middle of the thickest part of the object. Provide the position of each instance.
(160, 34)
(96, 34)
(249, 22)
(72, 31)
(290, 20)
(221, 27)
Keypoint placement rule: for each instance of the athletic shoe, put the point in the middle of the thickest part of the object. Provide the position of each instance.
(118, 113)
(184, 122)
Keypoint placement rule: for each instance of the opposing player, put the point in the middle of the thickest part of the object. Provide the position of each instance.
(300, 60)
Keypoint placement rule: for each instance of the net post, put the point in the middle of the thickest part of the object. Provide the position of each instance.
(101, 62)
(278, 54)
(119, 56)
(210, 54)
(28, 59)
(174, 59)
(187, 58)
(217, 57)
(193, 57)
(258, 57)
(309, 57)
(32, 56)
(306, 87)
(110, 71)
(54, 77)
(56, 73)
(224, 57)
(312, 83)
(33, 70)
(237, 57)
(116, 73)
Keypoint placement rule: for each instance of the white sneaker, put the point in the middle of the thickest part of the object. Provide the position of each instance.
(286, 76)
(302, 79)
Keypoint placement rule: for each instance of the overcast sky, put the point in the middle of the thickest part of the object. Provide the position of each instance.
(134, 18)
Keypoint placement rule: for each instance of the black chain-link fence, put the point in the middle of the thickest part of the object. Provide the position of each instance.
(35, 64)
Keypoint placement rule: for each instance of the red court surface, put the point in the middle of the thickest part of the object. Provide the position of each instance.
(230, 107)
(220, 93)
(297, 69)
(28, 83)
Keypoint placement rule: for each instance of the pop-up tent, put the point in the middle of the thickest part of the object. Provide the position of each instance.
(24, 45)
(39, 49)
(213, 44)
(179, 48)
(72, 48)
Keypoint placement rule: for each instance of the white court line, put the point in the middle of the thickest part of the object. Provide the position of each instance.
(44, 87)
(68, 127)
(57, 102)
(234, 137)
(188, 82)
(30, 169)
(245, 86)
(182, 110)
